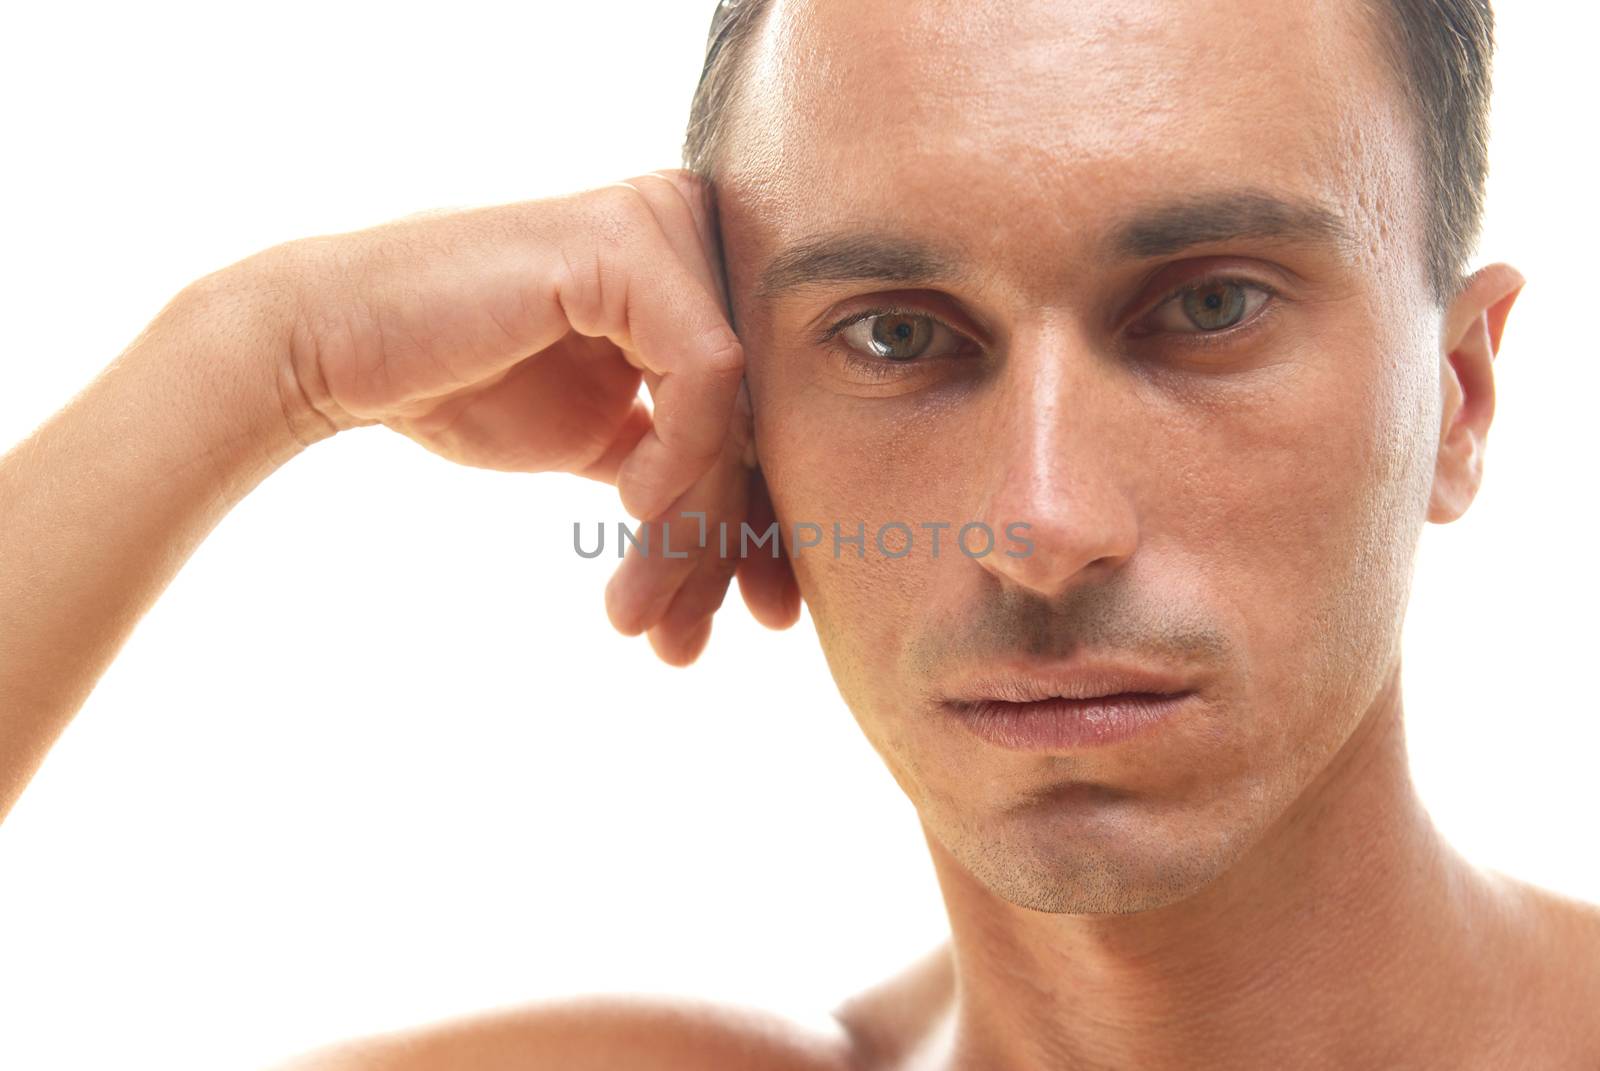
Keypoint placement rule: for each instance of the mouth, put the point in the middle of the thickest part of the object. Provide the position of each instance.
(1082, 707)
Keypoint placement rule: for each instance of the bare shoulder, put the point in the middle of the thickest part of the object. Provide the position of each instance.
(642, 1032)
(898, 1022)
(1559, 974)
(1564, 932)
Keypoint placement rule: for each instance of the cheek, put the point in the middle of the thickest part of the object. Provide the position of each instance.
(1292, 498)
(1301, 503)
(837, 461)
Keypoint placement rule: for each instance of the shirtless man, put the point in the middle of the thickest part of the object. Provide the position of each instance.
(1178, 284)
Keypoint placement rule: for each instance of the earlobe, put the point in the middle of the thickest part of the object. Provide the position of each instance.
(1474, 324)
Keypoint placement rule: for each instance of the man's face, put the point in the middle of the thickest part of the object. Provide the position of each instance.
(1229, 482)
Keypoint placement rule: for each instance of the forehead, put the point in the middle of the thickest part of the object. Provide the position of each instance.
(1032, 124)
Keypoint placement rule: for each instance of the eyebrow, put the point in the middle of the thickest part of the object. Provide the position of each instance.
(1160, 229)
(1173, 226)
(846, 256)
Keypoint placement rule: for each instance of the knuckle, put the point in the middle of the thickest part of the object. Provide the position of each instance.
(681, 177)
(724, 352)
(623, 214)
(582, 268)
(579, 288)
(676, 191)
(694, 192)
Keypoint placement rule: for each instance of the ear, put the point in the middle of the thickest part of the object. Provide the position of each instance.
(744, 425)
(1473, 324)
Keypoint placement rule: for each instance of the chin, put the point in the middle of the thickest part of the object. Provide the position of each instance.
(1100, 864)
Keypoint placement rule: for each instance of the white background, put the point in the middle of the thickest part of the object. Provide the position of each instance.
(376, 758)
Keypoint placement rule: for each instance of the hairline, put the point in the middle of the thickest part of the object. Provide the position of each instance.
(1446, 240)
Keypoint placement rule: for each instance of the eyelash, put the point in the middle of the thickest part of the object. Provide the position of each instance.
(1207, 339)
(865, 314)
(880, 366)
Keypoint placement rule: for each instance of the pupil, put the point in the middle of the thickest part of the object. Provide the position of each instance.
(899, 338)
(1219, 305)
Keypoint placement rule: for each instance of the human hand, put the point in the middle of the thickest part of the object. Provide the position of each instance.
(515, 337)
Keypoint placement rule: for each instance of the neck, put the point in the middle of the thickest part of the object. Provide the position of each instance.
(1340, 935)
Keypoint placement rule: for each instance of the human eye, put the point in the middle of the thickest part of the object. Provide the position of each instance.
(880, 341)
(1219, 306)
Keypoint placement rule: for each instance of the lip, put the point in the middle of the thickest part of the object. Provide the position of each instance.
(1072, 707)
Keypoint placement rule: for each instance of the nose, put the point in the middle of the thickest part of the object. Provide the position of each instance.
(1060, 432)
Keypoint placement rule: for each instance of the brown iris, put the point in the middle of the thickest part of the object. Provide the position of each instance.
(900, 338)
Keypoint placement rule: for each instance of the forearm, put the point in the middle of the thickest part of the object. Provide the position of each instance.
(106, 500)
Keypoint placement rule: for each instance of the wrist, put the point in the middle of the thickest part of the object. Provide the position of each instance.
(253, 357)
(295, 290)
(220, 349)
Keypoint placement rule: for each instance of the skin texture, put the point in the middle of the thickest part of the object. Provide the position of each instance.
(1253, 884)
(1245, 513)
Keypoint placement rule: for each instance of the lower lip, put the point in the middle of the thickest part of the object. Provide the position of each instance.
(1068, 724)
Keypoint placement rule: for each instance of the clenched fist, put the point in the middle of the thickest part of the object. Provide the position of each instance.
(515, 337)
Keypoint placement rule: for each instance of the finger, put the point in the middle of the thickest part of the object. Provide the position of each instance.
(700, 196)
(678, 204)
(692, 421)
(645, 298)
(696, 602)
(770, 592)
(649, 581)
(677, 201)
(681, 649)
(639, 592)
(574, 408)
(633, 428)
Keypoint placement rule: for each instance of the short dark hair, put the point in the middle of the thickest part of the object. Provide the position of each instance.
(1441, 49)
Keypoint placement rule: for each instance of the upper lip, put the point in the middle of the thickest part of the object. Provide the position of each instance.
(1081, 679)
